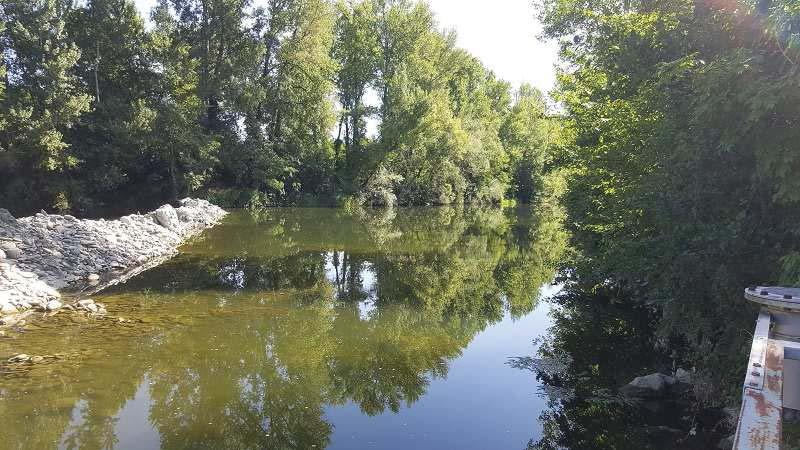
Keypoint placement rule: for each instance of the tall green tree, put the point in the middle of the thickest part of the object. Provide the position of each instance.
(287, 110)
(42, 100)
(534, 140)
(357, 51)
(117, 65)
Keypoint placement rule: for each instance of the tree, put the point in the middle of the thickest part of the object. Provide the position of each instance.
(533, 140)
(42, 100)
(356, 49)
(678, 108)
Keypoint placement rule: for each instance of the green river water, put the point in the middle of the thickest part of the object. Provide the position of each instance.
(301, 328)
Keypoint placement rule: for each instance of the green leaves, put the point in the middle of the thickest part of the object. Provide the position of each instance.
(227, 94)
(42, 98)
(684, 121)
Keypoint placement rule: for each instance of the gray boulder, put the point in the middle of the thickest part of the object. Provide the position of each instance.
(10, 249)
(683, 376)
(6, 216)
(648, 386)
(167, 218)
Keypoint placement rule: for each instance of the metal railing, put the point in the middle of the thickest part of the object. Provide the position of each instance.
(772, 381)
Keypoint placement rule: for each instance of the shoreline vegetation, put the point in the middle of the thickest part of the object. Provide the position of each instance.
(311, 102)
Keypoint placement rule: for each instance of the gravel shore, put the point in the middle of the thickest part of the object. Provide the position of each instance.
(44, 253)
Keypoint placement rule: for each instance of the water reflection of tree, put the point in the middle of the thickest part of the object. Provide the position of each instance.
(244, 377)
(599, 341)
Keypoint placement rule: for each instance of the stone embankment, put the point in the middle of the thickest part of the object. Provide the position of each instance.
(42, 254)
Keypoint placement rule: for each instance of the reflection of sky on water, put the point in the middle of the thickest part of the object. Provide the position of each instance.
(368, 280)
(482, 404)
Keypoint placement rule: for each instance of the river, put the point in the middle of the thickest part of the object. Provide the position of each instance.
(425, 328)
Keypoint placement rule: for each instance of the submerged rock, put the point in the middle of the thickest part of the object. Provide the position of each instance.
(22, 357)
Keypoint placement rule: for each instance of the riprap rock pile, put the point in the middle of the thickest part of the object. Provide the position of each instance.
(43, 253)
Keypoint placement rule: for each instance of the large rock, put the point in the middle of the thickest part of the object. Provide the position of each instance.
(167, 217)
(10, 249)
(683, 376)
(648, 386)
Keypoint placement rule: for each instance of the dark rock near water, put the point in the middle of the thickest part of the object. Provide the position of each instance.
(653, 385)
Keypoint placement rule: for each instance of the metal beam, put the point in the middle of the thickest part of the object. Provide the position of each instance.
(760, 418)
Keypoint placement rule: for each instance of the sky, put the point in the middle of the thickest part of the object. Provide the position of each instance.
(501, 33)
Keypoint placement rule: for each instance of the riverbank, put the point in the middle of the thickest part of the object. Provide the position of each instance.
(44, 254)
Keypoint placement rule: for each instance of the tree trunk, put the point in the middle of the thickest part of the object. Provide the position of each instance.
(96, 70)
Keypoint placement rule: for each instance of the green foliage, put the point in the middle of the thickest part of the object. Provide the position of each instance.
(683, 114)
(379, 190)
(42, 99)
(102, 115)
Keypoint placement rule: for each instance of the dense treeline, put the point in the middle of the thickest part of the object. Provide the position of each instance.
(268, 103)
(683, 188)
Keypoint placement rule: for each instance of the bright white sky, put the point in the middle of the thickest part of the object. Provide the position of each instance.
(502, 33)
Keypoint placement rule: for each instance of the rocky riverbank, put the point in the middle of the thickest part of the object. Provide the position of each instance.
(44, 253)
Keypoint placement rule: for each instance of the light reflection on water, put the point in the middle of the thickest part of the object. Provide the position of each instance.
(483, 403)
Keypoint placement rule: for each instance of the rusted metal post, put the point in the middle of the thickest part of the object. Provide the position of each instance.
(771, 381)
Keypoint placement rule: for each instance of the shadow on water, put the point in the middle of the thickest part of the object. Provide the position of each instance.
(597, 342)
(261, 326)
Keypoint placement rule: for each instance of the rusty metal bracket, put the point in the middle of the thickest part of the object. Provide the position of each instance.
(754, 378)
(760, 418)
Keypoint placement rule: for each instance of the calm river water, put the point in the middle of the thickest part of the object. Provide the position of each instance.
(301, 328)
